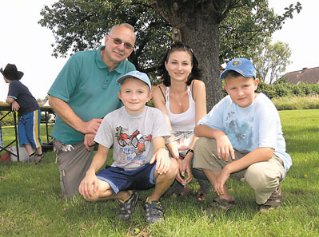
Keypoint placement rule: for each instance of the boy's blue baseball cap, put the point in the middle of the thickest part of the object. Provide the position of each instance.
(241, 65)
(137, 75)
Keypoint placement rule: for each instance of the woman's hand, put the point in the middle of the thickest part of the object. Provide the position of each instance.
(185, 175)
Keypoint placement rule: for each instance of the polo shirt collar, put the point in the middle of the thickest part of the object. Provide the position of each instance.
(100, 63)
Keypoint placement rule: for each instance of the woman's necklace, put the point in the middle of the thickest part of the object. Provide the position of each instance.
(178, 98)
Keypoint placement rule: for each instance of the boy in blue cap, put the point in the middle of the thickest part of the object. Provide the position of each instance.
(140, 159)
(241, 137)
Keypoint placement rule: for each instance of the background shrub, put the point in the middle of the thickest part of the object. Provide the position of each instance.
(284, 89)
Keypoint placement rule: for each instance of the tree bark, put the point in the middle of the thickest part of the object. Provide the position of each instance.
(198, 25)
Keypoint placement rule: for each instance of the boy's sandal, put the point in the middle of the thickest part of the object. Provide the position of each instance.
(220, 204)
(185, 192)
(127, 207)
(274, 201)
(39, 158)
(179, 193)
(200, 196)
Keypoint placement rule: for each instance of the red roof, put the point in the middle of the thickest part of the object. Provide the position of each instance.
(306, 75)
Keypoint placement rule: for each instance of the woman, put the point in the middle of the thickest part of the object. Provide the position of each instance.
(182, 98)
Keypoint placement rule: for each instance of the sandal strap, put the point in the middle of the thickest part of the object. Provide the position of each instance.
(222, 204)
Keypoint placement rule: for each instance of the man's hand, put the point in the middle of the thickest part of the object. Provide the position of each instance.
(89, 141)
(92, 126)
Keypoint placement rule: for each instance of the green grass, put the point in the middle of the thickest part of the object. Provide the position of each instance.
(30, 202)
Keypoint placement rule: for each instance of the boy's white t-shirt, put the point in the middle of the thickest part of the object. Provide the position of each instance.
(257, 125)
(131, 136)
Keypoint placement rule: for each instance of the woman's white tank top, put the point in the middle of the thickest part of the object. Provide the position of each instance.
(184, 121)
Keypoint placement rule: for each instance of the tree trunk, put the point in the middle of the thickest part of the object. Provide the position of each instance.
(199, 29)
(202, 35)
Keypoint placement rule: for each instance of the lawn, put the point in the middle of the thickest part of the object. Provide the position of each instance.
(30, 202)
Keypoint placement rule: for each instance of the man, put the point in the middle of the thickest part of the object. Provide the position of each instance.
(84, 92)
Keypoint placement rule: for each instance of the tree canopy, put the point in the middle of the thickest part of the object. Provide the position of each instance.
(271, 59)
(217, 30)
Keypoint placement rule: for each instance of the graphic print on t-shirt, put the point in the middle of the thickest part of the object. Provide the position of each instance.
(136, 139)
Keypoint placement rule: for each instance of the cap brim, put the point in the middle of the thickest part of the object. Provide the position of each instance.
(223, 74)
(122, 79)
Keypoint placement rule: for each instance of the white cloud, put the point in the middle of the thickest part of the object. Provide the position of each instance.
(28, 45)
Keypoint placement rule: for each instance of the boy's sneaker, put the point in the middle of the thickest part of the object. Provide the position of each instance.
(35, 158)
(154, 211)
(39, 158)
(274, 201)
(221, 205)
(127, 207)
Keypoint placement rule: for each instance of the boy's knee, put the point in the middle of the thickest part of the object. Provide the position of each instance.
(90, 199)
(202, 142)
(205, 145)
(173, 167)
(171, 172)
(259, 178)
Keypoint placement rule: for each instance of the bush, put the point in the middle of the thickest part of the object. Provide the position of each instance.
(7, 120)
(296, 102)
(283, 89)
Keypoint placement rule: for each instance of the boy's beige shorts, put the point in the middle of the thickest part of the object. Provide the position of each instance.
(263, 177)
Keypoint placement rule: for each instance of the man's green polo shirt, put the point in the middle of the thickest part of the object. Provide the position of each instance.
(90, 89)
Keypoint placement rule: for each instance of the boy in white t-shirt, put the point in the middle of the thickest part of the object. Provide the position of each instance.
(241, 137)
(140, 160)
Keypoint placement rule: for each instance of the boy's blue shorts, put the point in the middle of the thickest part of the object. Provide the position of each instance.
(120, 179)
(29, 129)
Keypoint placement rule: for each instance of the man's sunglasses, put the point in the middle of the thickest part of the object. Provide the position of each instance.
(118, 41)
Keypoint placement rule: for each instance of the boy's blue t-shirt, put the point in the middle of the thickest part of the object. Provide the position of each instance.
(23, 96)
(257, 125)
(89, 88)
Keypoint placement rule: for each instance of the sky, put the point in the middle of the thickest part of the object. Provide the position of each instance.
(28, 45)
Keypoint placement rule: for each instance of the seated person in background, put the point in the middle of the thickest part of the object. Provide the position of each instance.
(182, 98)
(140, 159)
(241, 137)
